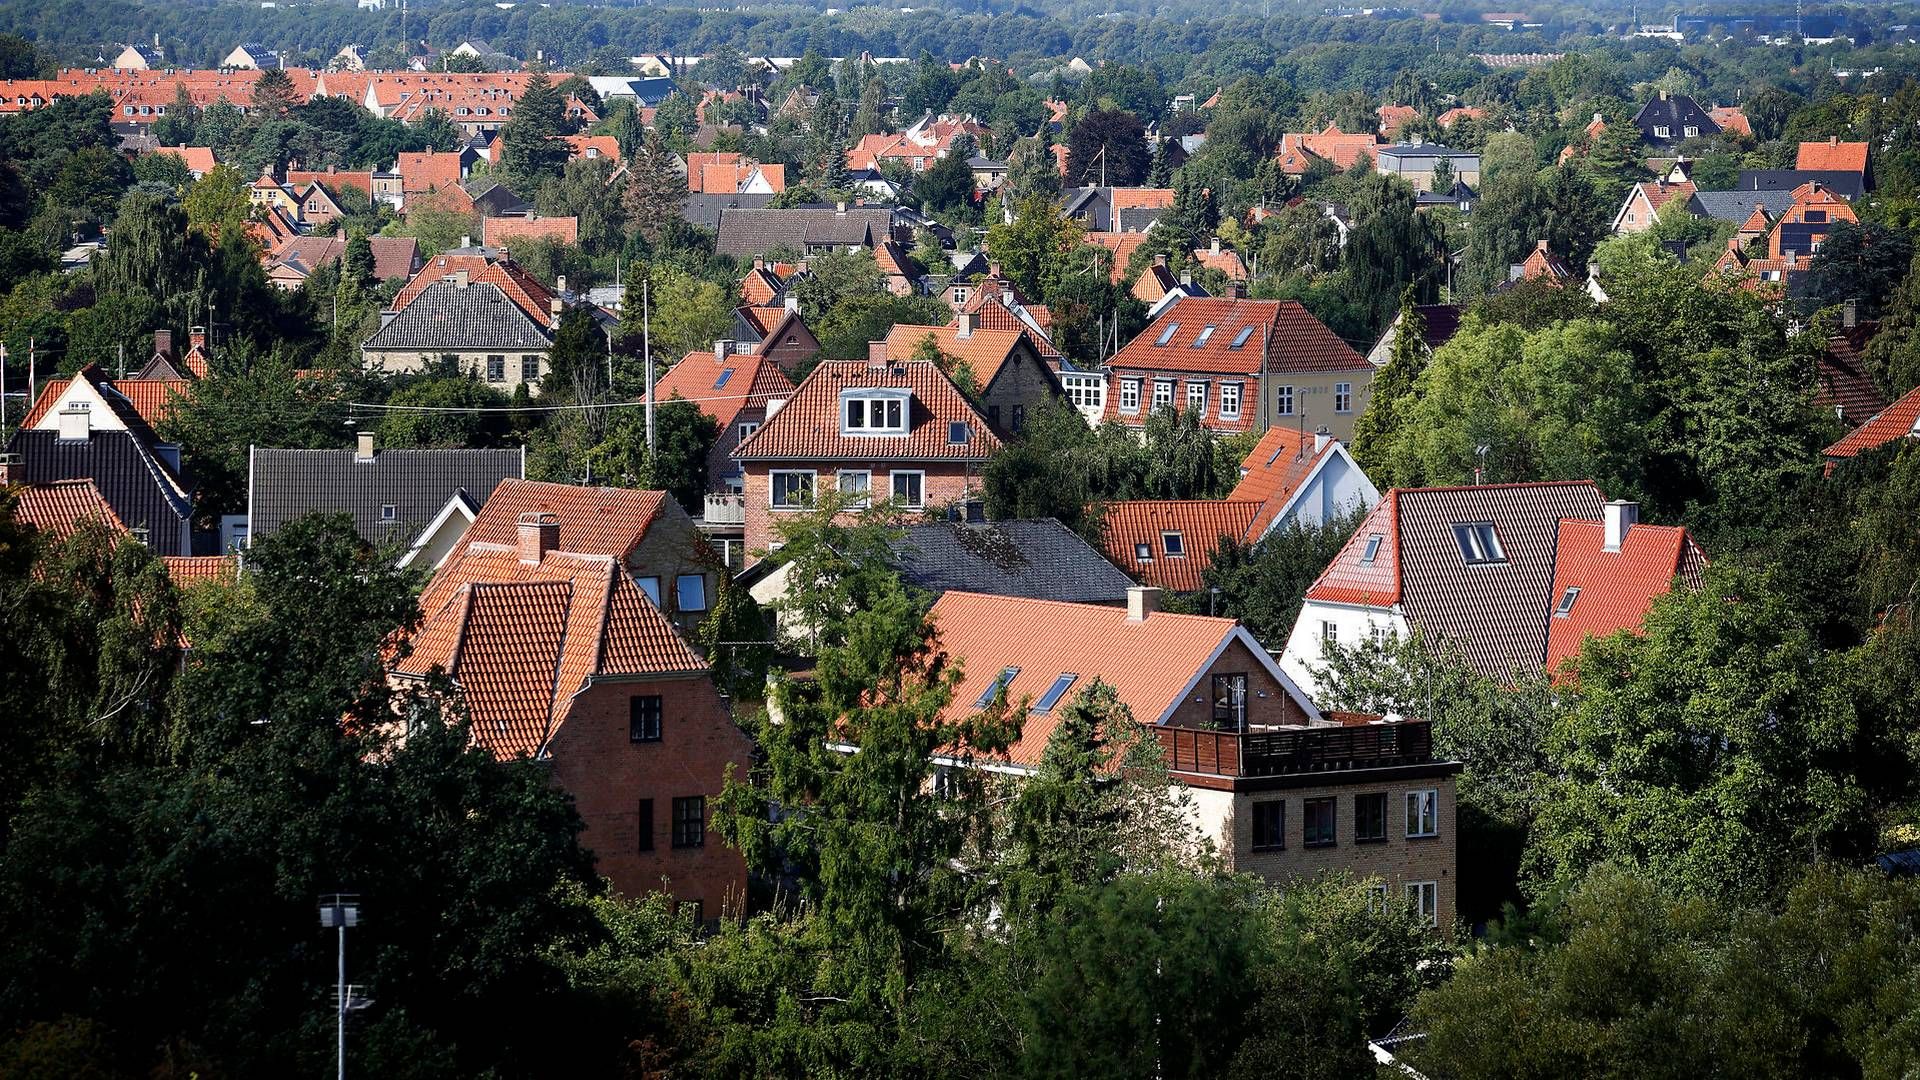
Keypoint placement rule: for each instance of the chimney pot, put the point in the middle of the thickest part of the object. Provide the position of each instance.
(197, 337)
(1142, 601)
(466, 241)
(1620, 516)
(363, 446)
(1186, 278)
(791, 303)
(460, 278)
(1159, 260)
(539, 534)
(993, 269)
(840, 207)
(560, 283)
(1321, 436)
(1215, 248)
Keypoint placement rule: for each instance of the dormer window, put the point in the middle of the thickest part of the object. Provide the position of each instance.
(1479, 543)
(1566, 602)
(1691, 130)
(875, 411)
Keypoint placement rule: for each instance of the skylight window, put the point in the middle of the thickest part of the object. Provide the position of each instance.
(1143, 552)
(958, 433)
(997, 687)
(1055, 692)
(1479, 543)
(1167, 334)
(1240, 339)
(725, 374)
(1204, 335)
(1174, 545)
(1566, 602)
(1373, 549)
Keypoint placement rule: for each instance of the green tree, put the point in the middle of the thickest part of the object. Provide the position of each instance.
(531, 150)
(1378, 428)
(1893, 355)
(948, 184)
(654, 189)
(1863, 262)
(257, 400)
(274, 95)
(1035, 249)
(1107, 147)
(443, 430)
(683, 313)
(217, 204)
(683, 438)
(1263, 582)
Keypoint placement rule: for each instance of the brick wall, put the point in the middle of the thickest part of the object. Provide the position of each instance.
(791, 356)
(720, 463)
(1267, 700)
(944, 483)
(1022, 383)
(595, 761)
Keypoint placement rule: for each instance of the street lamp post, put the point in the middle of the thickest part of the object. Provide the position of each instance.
(337, 912)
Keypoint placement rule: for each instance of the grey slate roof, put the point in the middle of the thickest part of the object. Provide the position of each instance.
(284, 484)
(446, 316)
(1847, 185)
(1039, 559)
(1676, 113)
(704, 210)
(1493, 612)
(129, 477)
(756, 232)
(1737, 206)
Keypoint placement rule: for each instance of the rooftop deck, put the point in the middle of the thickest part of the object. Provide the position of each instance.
(1297, 751)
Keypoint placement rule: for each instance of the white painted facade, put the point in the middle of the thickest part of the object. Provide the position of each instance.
(1350, 623)
(1336, 485)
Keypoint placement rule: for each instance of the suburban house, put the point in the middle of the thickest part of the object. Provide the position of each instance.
(1900, 420)
(1009, 377)
(748, 233)
(1795, 237)
(1542, 265)
(1487, 570)
(251, 55)
(1039, 559)
(1670, 119)
(290, 264)
(1416, 161)
(1116, 209)
(399, 499)
(734, 388)
(1283, 790)
(1643, 202)
(561, 657)
(1298, 152)
(1170, 543)
(778, 333)
(1243, 365)
(1158, 286)
(1296, 476)
(730, 173)
(1833, 156)
(901, 432)
(1846, 383)
(58, 509)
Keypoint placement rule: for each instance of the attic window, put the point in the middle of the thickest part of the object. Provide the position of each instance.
(1143, 552)
(1173, 545)
(1204, 335)
(1373, 549)
(874, 412)
(996, 688)
(1240, 339)
(1055, 692)
(1566, 602)
(1167, 334)
(1814, 217)
(1479, 543)
(958, 434)
(388, 512)
(725, 374)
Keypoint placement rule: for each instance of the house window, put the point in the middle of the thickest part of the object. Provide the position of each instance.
(529, 368)
(496, 368)
(1373, 549)
(644, 830)
(856, 485)
(1566, 602)
(690, 821)
(1479, 543)
(1342, 397)
(747, 429)
(1424, 896)
(1318, 821)
(643, 718)
(1814, 217)
(874, 415)
(1283, 400)
(1173, 545)
(1055, 692)
(389, 512)
(1370, 818)
(650, 586)
(1329, 632)
(1423, 812)
(993, 415)
(996, 688)
(1129, 395)
(1379, 635)
(1019, 417)
(1143, 553)
(1230, 700)
(1229, 401)
(1270, 825)
(1692, 130)
(1200, 340)
(909, 488)
(690, 592)
(1240, 339)
(1167, 334)
(958, 433)
(1661, 131)
(1197, 398)
(790, 489)
(1162, 393)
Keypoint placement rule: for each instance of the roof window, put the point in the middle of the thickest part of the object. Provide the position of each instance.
(1173, 544)
(1566, 602)
(1240, 339)
(996, 688)
(1167, 334)
(1479, 543)
(1373, 549)
(1204, 335)
(725, 374)
(1143, 552)
(1055, 692)
(958, 433)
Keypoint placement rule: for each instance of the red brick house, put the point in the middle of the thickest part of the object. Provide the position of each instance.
(1010, 377)
(900, 432)
(734, 389)
(561, 657)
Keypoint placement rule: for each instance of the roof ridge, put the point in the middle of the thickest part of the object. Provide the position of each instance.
(1226, 622)
(1490, 487)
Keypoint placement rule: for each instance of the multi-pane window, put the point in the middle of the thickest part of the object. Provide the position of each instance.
(496, 368)
(1424, 897)
(909, 488)
(791, 488)
(643, 718)
(529, 369)
(747, 429)
(1129, 395)
(1318, 821)
(1197, 398)
(1270, 825)
(1370, 817)
(1343, 397)
(1229, 401)
(996, 688)
(1230, 700)
(644, 833)
(1329, 631)
(1283, 400)
(876, 414)
(1423, 813)
(690, 821)
(855, 484)
(690, 592)
(1479, 543)
(1162, 393)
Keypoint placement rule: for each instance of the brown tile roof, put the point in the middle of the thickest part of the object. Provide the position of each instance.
(1122, 245)
(1544, 265)
(198, 159)
(186, 570)
(703, 379)
(1731, 119)
(332, 179)
(58, 508)
(1141, 198)
(992, 313)
(593, 521)
(1298, 341)
(1898, 420)
(1616, 587)
(1226, 260)
(985, 351)
(496, 231)
(1832, 156)
(1458, 113)
(1201, 524)
(807, 428)
(1273, 470)
(428, 171)
(1395, 117)
(1844, 382)
(1343, 150)
(600, 146)
(761, 287)
(1152, 664)
(393, 256)
(1659, 193)
(520, 639)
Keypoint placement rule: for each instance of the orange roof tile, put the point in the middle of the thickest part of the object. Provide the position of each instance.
(529, 295)
(1898, 420)
(150, 399)
(1122, 245)
(1395, 117)
(428, 171)
(496, 231)
(1544, 265)
(808, 427)
(593, 521)
(1141, 198)
(985, 351)
(1832, 156)
(188, 570)
(1616, 587)
(724, 388)
(592, 146)
(1273, 470)
(1458, 113)
(1351, 578)
(1201, 524)
(1731, 119)
(198, 159)
(761, 287)
(58, 508)
(1226, 260)
(1298, 341)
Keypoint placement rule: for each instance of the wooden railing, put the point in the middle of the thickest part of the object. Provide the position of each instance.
(1299, 750)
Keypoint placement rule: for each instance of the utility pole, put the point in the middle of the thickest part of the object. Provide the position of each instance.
(337, 912)
(646, 347)
(122, 350)
(33, 374)
(3, 387)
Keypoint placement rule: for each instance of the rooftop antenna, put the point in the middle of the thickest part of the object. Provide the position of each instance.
(1480, 469)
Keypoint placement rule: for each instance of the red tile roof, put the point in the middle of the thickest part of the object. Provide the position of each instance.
(1458, 113)
(1140, 198)
(186, 570)
(1226, 260)
(58, 508)
(807, 428)
(1201, 524)
(1152, 664)
(198, 159)
(1273, 470)
(593, 521)
(1348, 579)
(1844, 382)
(1898, 420)
(526, 293)
(1122, 245)
(761, 287)
(592, 146)
(428, 171)
(150, 399)
(1299, 342)
(1832, 156)
(1616, 587)
(496, 231)
(1395, 117)
(985, 351)
(1544, 265)
(698, 378)
(1343, 150)
(1659, 193)
(1731, 119)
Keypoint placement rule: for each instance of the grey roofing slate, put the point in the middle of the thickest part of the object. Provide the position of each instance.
(130, 478)
(1495, 613)
(1737, 206)
(446, 316)
(1676, 113)
(704, 209)
(284, 484)
(756, 232)
(1040, 559)
(1847, 185)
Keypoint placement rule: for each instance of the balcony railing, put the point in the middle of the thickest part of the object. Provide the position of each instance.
(726, 510)
(1296, 750)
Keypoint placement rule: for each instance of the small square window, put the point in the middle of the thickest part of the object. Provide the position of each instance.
(909, 488)
(1329, 631)
(529, 369)
(1143, 552)
(388, 512)
(1319, 822)
(958, 433)
(1283, 400)
(1342, 397)
(643, 718)
(1270, 825)
(1173, 545)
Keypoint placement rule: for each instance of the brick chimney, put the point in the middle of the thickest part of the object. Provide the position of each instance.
(163, 343)
(539, 534)
(1620, 516)
(1159, 260)
(722, 348)
(1142, 601)
(968, 322)
(197, 338)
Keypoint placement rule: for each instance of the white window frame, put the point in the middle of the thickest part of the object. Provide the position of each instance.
(1661, 131)
(1283, 401)
(895, 406)
(1162, 393)
(1197, 401)
(1179, 542)
(1230, 401)
(773, 488)
(920, 481)
(1423, 813)
(680, 592)
(1425, 898)
(1329, 633)
(865, 488)
(1342, 398)
(1130, 396)
(747, 430)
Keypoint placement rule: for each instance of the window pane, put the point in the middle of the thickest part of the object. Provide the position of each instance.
(650, 586)
(1270, 825)
(1318, 822)
(643, 718)
(1055, 692)
(644, 829)
(690, 592)
(1370, 816)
